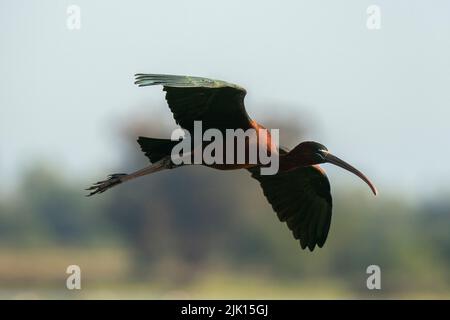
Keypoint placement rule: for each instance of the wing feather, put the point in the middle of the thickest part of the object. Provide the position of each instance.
(218, 104)
(302, 199)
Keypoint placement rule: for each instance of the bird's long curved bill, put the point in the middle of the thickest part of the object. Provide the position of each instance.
(344, 165)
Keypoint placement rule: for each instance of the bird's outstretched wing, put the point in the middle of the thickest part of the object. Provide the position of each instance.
(218, 104)
(302, 199)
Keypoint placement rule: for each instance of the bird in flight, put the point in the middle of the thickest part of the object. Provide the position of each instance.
(299, 192)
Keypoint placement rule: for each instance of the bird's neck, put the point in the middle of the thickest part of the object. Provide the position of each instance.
(287, 163)
(292, 161)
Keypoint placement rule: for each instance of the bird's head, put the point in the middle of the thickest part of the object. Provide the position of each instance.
(310, 153)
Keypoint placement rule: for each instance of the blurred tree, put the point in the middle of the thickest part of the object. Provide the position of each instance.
(177, 224)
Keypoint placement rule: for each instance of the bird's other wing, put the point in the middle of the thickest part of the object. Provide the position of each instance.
(218, 104)
(302, 199)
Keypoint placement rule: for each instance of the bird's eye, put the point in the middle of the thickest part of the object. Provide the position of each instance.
(321, 153)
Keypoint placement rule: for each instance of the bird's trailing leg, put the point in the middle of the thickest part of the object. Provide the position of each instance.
(118, 178)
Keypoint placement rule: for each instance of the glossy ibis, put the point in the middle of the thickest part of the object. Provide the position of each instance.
(299, 193)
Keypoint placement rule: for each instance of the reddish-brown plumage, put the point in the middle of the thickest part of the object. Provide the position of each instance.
(263, 142)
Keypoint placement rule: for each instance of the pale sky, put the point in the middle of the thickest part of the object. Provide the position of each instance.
(380, 98)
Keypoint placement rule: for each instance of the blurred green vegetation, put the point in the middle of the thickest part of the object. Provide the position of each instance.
(202, 233)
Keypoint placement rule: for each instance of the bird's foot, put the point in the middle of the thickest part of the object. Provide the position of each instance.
(102, 186)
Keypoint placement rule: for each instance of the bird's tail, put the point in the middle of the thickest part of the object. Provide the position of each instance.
(156, 149)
